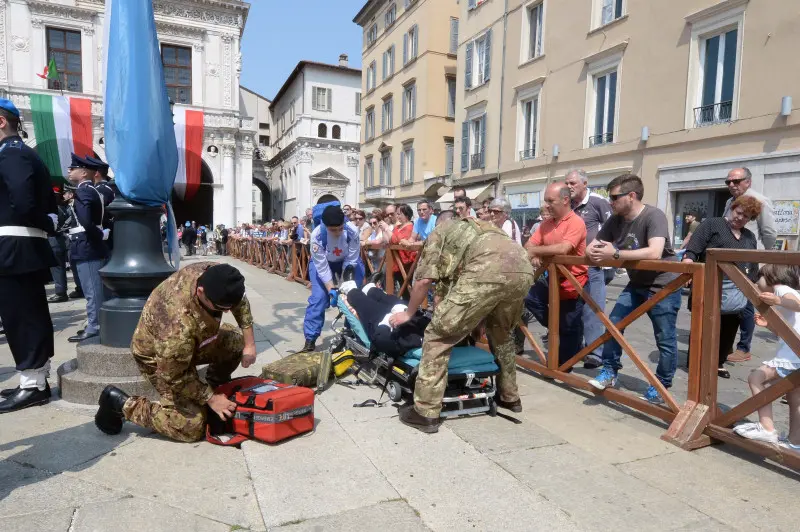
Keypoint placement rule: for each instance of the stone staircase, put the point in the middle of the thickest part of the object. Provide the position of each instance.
(83, 378)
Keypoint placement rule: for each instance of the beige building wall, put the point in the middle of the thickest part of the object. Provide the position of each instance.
(657, 50)
(431, 129)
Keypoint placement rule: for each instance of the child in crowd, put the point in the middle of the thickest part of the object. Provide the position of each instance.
(780, 287)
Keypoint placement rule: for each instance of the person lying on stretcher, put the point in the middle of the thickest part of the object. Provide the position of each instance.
(373, 307)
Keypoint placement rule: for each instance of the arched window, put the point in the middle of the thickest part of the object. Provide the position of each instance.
(322, 131)
(336, 132)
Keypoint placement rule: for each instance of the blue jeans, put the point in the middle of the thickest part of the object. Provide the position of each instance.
(746, 328)
(570, 322)
(92, 284)
(663, 317)
(593, 328)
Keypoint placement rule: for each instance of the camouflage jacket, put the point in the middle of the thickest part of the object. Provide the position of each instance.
(470, 249)
(174, 326)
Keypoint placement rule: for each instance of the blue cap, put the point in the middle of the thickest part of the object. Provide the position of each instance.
(82, 162)
(9, 106)
(98, 163)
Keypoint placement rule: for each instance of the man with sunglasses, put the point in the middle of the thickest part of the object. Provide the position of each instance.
(638, 232)
(178, 330)
(739, 183)
(424, 224)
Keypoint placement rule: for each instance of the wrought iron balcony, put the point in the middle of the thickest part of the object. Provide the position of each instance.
(599, 140)
(529, 153)
(475, 161)
(717, 113)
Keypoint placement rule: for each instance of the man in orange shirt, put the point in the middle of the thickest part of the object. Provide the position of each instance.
(562, 234)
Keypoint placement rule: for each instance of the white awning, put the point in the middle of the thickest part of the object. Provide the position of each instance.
(473, 193)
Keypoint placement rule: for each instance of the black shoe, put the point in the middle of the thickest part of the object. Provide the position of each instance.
(592, 362)
(8, 392)
(724, 373)
(349, 274)
(309, 346)
(24, 398)
(58, 298)
(81, 336)
(514, 406)
(409, 416)
(109, 417)
(75, 294)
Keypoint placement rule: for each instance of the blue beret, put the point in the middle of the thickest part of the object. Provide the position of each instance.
(9, 106)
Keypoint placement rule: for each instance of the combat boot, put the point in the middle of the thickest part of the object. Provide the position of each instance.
(514, 406)
(109, 417)
(309, 346)
(409, 416)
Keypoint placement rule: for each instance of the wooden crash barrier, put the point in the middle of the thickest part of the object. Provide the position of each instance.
(406, 275)
(713, 422)
(548, 365)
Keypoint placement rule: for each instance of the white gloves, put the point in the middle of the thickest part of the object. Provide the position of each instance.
(54, 218)
(106, 233)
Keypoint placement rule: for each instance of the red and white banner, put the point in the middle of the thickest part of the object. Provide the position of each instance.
(189, 138)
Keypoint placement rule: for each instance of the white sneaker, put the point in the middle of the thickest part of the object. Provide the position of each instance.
(784, 442)
(759, 433)
(744, 427)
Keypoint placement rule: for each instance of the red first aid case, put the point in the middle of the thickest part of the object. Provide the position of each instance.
(266, 410)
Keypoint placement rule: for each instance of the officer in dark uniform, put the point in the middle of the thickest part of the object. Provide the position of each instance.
(27, 214)
(101, 184)
(88, 242)
(58, 243)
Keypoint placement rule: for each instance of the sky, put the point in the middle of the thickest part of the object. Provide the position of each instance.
(280, 33)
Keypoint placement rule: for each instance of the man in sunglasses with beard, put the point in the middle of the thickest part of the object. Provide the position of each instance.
(180, 329)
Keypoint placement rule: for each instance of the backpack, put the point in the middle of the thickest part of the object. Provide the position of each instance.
(266, 410)
(316, 211)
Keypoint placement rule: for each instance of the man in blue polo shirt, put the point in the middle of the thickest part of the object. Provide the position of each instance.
(425, 223)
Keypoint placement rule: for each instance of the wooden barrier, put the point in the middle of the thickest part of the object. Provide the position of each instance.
(548, 363)
(392, 258)
(718, 424)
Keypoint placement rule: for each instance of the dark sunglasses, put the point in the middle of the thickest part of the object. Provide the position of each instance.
(495, 211)
(374, 223)
(615, 197)
(730, 182)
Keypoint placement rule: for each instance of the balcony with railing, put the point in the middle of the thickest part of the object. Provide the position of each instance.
(716, 113)
(599, 140)
(379, 192)
(528, 153)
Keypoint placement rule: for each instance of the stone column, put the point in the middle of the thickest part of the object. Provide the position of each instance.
(244, 182)
(228, 210)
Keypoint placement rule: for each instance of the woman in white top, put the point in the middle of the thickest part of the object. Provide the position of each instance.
(500, 211)
(780, 287)
(372, 234)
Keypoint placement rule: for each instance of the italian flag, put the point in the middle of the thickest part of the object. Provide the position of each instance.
(189, 138)
(62, 125)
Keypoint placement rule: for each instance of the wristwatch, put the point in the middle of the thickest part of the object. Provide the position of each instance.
(616, 254)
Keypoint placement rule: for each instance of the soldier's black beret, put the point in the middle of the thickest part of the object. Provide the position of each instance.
(332, 216)
(223, 285)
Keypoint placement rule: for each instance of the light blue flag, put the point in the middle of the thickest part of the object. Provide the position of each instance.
(139, 133)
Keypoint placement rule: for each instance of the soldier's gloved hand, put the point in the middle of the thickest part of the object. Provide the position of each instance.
(334, 297)
(106, 233)
(54, 218)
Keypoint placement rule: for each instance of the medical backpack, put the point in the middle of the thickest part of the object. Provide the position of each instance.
(266, 410)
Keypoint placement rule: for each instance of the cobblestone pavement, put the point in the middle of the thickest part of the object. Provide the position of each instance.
(570, 462)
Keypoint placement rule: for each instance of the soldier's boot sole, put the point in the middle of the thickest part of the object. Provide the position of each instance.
(109, 417)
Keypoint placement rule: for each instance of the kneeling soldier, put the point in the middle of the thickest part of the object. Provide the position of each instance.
(180, 329)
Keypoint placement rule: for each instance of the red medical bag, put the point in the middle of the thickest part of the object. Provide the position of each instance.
(266, 410)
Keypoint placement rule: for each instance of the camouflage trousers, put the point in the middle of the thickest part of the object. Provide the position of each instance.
(469, 302)
(181, 418)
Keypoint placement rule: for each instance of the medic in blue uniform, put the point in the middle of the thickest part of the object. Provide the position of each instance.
(335, 247)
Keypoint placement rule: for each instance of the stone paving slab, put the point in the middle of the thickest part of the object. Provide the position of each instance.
(314, 475)
(450, 483)
(134, 514)
(396, 516)
(200, 478)
(49, 521)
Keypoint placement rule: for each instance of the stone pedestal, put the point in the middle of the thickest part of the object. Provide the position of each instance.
(136, 268)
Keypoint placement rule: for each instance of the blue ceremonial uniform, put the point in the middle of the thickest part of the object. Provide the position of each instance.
(26, 201)
(329, 256)
(107, 192)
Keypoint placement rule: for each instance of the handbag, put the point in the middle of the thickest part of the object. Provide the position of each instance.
(733, 300)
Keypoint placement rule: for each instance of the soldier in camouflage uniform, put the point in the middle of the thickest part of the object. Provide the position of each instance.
(480, 274)
(178, 330)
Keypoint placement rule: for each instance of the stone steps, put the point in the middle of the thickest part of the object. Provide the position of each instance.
(80, 387)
